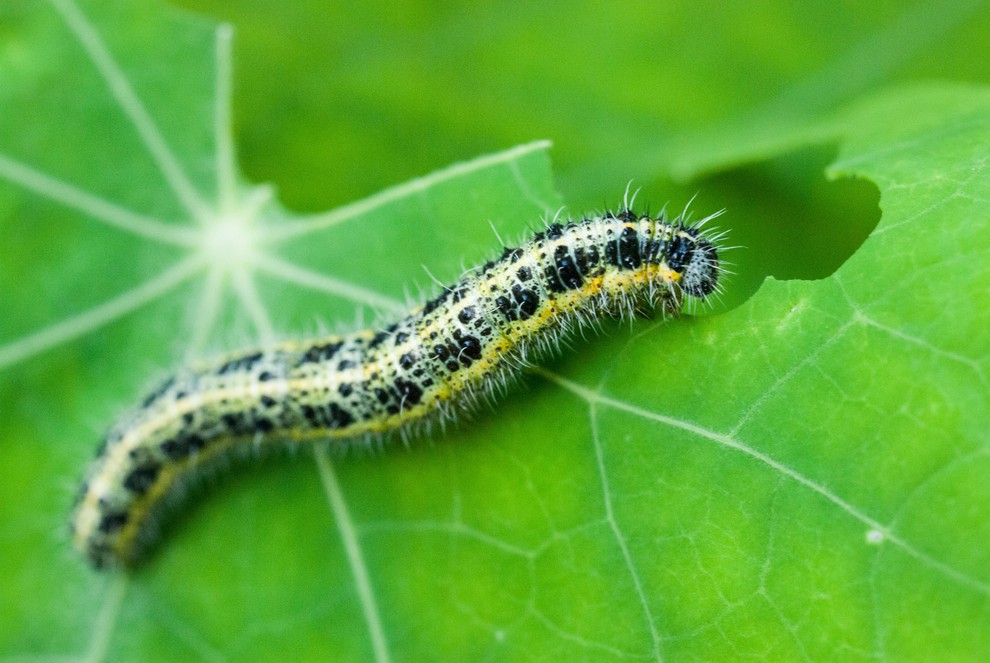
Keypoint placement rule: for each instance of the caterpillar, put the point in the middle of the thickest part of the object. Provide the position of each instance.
(427, 367)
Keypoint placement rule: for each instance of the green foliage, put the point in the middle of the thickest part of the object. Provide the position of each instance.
(803, 476)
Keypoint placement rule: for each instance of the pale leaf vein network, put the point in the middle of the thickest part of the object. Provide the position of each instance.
(341, 214)
(163, 156)
(293, 273)
(77, 325)
(106, 619)
(732, 443)
(355, 557)
(620, 538)
(222, 121)
(93, 206)
(251, 301)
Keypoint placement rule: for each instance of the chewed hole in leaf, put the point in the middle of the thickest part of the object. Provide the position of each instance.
(792, 221)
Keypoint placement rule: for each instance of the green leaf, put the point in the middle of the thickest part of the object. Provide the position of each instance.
(801, 477)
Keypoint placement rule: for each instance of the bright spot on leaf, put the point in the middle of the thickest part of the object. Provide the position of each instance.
(875, 537)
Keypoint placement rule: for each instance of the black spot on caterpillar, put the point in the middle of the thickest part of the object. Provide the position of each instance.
(423, 368)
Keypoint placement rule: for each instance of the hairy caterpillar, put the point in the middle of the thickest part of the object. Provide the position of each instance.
(425, 367)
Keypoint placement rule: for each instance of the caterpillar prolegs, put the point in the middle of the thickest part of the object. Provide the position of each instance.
(428, 366)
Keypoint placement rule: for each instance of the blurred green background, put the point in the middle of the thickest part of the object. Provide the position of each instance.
(334, 101)
(382, 92)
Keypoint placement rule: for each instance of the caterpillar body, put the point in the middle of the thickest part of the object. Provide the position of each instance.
(426, 367)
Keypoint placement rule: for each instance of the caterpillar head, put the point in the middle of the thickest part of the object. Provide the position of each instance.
(697, 260)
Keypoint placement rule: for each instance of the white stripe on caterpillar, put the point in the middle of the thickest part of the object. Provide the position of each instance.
(426, 367)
